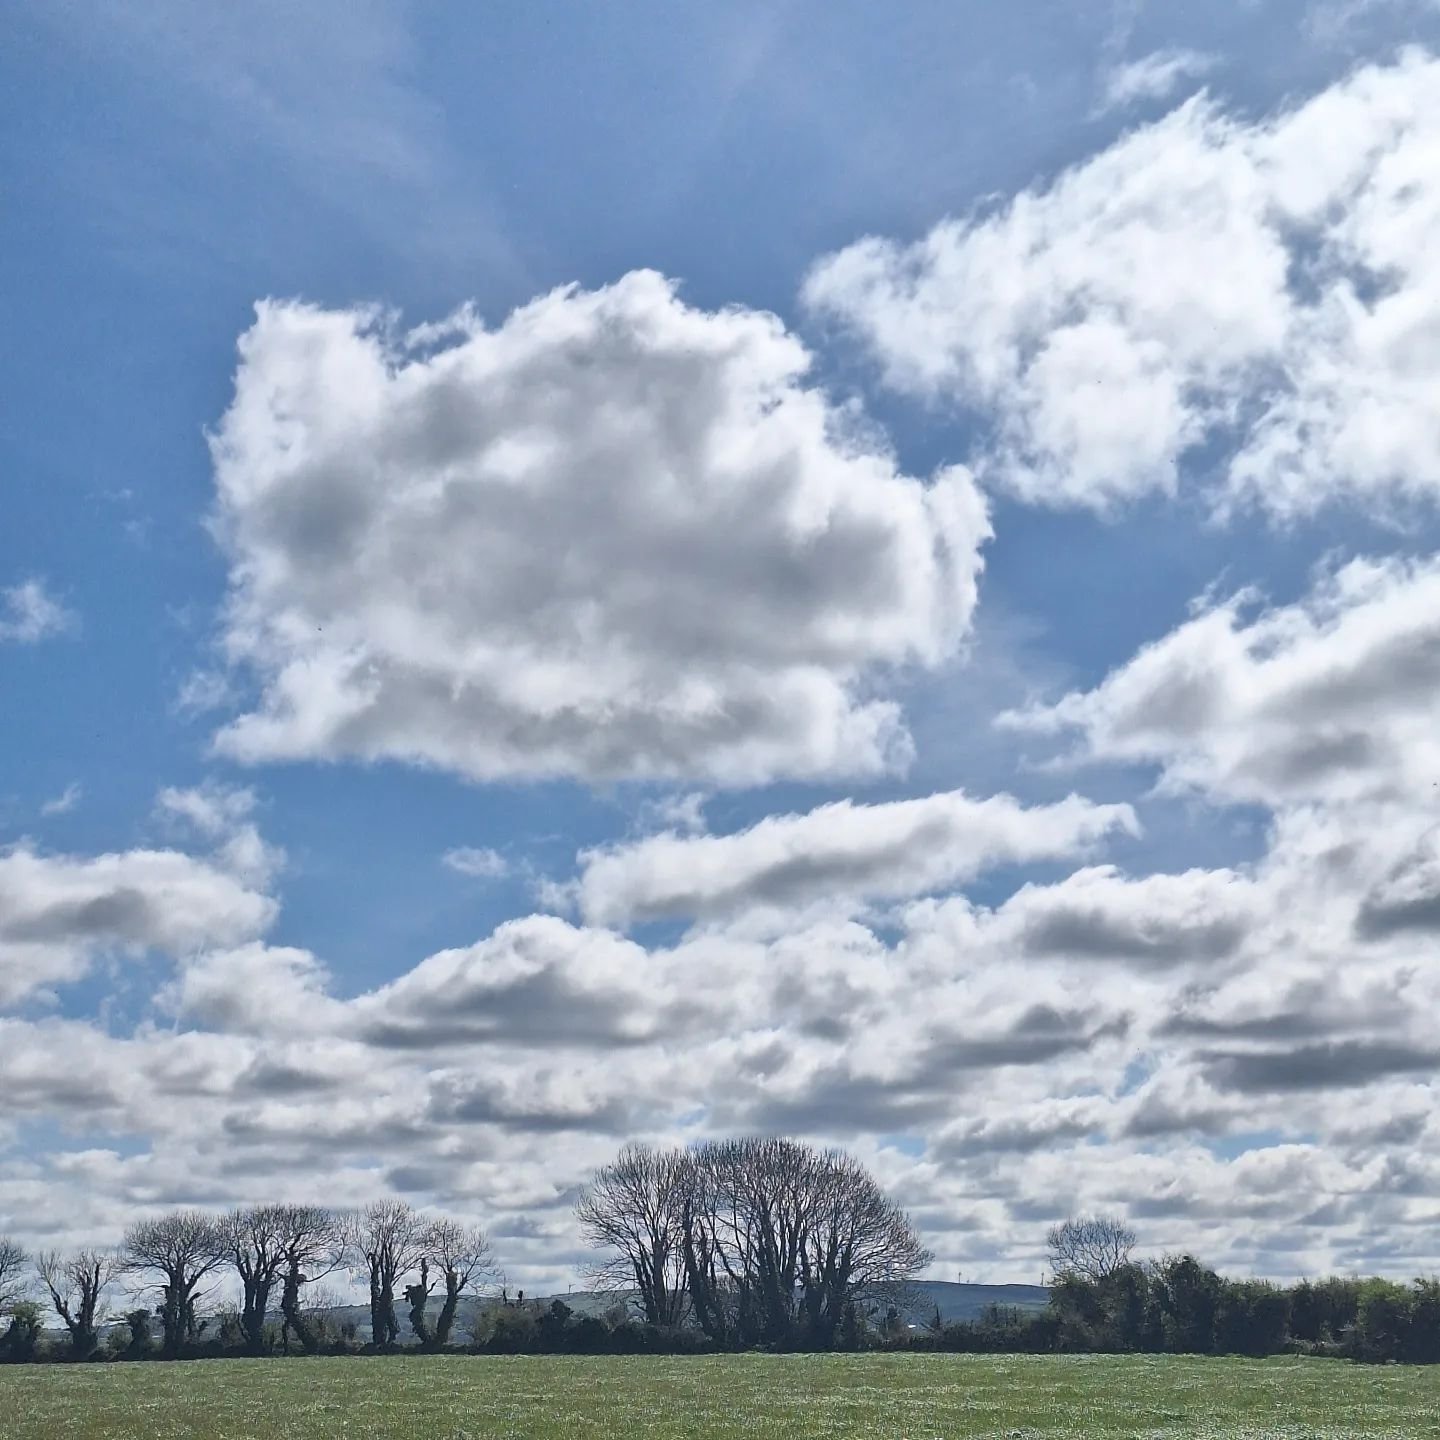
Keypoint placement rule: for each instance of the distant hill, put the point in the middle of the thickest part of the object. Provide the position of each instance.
(956, 1301)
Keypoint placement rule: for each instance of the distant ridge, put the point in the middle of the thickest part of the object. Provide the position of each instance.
(956, 1301)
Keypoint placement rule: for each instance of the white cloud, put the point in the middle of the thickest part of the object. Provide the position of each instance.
(480, 863)
(29, 614)
(685, 812)
(65, 802)
(1101, 914)
(1152, 77)
(1077, 1045)
(255, 988)
(222, 814)
(1266, 287)
(536, 980)
(1334, 21)
(841, 853)
(1331, 699)
(58, 913)
(202, 691)
(210, 808)
(614, 537)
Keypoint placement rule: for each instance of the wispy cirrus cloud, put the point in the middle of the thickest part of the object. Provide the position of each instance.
(1152, 77)
(65, 801)
(476, 862)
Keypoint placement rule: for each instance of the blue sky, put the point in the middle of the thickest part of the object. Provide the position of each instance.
(207, 905)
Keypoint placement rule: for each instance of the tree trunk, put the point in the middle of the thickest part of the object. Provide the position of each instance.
(172, 1317)
(418, 1295)
(377, 1308)
(389, 1321)
(252, 1316)
(83, 1340)
(295, 1320)
(446, 1321)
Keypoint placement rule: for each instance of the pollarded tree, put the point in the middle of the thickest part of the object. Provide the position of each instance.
(77, 1284)
(390, 1238)
(1089, 1246)
(178, 1250)
(632, 1208)
(463, 1256)
(253, 1240)
(315, 1243)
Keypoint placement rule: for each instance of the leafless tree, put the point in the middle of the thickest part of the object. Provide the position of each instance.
(14, 1280)
(253, 1240)
(463, 1256)
(390, 1238)
(77, 1284)
(770, 1239)
(314, 1243)
(750, 1206)
(179, 1250)
(632, 1211)
(1090, 1246)
(859, 1249)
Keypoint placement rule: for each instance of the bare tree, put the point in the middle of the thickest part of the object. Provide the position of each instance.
(77, 1284)
(179, 1250)
(13, 1278)
(314, 1243)
(752, 1204)
(632, 1208)
(762, 1240)
(253, 1240)
(463, 1256)
(1089, 1246)
(390, 1237)
(859, 1249)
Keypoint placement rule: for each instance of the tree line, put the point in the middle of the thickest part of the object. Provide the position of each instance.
(1102, 1300)
(733, 1244)
(754, 1242)
(273, 1252)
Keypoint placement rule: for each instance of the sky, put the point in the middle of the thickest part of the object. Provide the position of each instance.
(572, 574)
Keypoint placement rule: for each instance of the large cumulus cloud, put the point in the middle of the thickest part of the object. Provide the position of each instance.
(615, 536)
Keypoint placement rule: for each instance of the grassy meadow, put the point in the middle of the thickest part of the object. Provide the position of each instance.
(919, 1397)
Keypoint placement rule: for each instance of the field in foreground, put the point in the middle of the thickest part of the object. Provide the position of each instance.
(920, 1397)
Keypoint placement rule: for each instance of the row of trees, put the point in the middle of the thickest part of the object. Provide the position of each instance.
(1179, 1306)
(727, 1245)
(1102, 1299)
(755, 1241)
(274, 1252)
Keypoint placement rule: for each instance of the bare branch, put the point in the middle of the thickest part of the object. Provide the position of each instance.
(13, 1284)
(1090, 1246)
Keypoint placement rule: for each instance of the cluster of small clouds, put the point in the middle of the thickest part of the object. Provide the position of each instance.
(620, 537)
(1265, 287)
(1106, 1027)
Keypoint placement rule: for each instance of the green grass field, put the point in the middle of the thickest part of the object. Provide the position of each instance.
(919, 1397)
